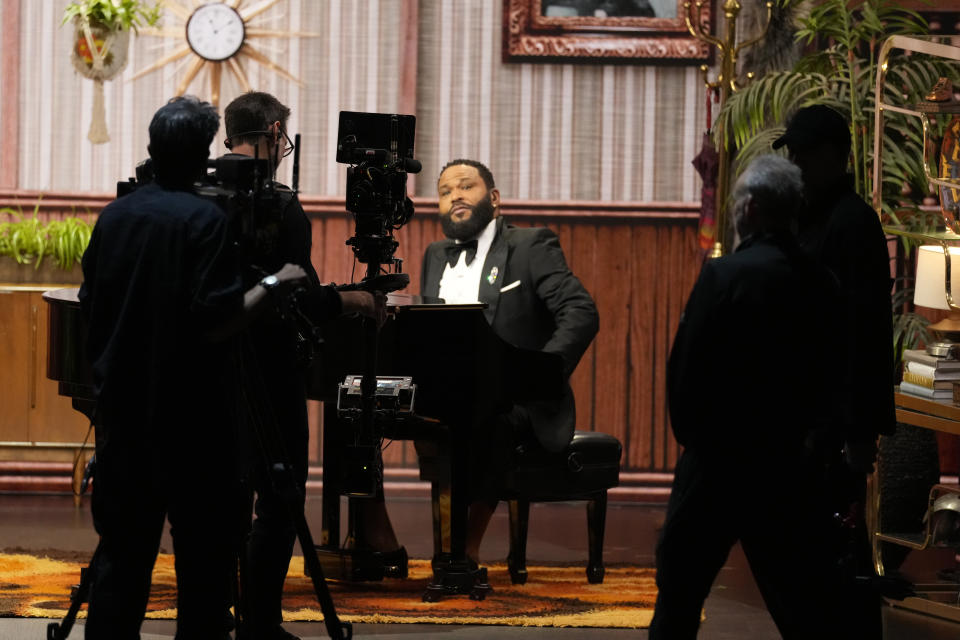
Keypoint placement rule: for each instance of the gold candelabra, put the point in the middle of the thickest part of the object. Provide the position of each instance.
(726, 84)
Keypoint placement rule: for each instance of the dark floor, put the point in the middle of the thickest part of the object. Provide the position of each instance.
(734, 609)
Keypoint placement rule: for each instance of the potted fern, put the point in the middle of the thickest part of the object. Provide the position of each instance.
(101, 41)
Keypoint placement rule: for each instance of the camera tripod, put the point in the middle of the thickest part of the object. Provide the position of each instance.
(269, 440)
(266, 434)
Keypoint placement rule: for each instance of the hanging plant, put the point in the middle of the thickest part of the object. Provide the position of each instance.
(100, 44)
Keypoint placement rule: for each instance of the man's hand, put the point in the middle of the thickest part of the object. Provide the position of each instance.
(861, 454)
(371, 305)
(258, 298)
(290, 275)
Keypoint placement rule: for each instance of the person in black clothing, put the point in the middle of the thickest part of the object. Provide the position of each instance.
(161, 294)
(746, 392)
(276, 367)
(844, 234)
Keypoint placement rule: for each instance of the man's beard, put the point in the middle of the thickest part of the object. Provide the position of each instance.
(480, 216)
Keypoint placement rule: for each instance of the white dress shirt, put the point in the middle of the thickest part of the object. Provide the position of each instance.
(460, 284)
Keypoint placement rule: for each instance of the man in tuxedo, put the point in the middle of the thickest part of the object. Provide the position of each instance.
(533, 302)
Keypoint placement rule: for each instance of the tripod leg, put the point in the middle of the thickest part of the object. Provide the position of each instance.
(283, 480)
(337, 630)
(80, 595)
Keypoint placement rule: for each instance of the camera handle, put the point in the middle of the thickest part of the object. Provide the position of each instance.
(385, 282)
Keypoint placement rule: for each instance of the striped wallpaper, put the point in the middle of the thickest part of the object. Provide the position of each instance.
(551, 131)
(548, 131)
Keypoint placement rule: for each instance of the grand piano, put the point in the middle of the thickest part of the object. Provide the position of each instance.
(464, 375)
(66, 362)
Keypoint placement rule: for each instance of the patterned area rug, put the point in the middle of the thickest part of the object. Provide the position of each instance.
(32, 586)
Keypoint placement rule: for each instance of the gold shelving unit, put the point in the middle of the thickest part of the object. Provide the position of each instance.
(929, 45)
(941, 600)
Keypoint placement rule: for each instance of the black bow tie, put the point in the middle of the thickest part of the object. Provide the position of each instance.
(453, 251)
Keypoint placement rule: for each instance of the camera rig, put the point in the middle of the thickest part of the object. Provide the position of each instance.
(379, 149)
(245, 189)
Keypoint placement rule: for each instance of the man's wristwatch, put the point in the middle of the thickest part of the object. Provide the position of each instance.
(270, 283)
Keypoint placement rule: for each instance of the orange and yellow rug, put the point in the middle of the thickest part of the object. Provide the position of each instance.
(32, 586)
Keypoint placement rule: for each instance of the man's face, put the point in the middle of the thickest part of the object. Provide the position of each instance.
(820, 164)
(466, 205)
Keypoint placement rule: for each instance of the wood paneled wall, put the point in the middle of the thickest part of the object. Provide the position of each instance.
(638, 261)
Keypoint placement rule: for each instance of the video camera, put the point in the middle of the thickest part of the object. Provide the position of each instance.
(244, 189)
(379, 148)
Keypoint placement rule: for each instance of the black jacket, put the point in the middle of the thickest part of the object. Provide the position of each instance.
(549, 310)
(843, 233)
(751, 369)
(159, 274)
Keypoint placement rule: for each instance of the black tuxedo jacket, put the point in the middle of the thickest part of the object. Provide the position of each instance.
(533, 302)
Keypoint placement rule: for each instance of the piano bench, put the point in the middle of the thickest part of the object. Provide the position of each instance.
(583, 471)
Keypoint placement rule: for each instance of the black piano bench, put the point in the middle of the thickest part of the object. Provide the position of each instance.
(583, 471)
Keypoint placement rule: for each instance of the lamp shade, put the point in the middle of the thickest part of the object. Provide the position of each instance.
(930, 290)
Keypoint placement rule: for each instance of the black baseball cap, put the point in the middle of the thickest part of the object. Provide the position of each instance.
(815, 124)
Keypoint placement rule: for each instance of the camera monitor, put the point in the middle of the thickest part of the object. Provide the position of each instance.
(372, 136)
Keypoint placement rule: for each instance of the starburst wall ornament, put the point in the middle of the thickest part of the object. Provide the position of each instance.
(219, 34)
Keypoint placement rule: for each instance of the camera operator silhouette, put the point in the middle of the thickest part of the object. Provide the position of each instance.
(162, 295)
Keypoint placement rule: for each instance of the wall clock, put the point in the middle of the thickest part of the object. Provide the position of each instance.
(215, 31)
(215, 35)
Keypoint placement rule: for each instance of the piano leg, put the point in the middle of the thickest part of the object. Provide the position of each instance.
(445, 465)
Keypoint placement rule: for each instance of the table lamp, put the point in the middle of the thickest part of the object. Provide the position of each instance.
(931, 291)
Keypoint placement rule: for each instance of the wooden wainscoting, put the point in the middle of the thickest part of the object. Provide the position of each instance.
(638, 260)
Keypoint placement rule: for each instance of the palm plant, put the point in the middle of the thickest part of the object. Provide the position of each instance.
(842, 75)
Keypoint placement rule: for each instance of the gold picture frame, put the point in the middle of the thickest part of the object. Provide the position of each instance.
(564, 31)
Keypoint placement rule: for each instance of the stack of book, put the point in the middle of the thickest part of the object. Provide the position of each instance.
(929, 376)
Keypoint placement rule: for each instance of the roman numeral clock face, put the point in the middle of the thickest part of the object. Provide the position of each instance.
(215, 32)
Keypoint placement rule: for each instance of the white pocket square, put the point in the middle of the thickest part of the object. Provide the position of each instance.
(512, 285)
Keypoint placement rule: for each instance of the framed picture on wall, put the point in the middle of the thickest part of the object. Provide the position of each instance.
(601, 31)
